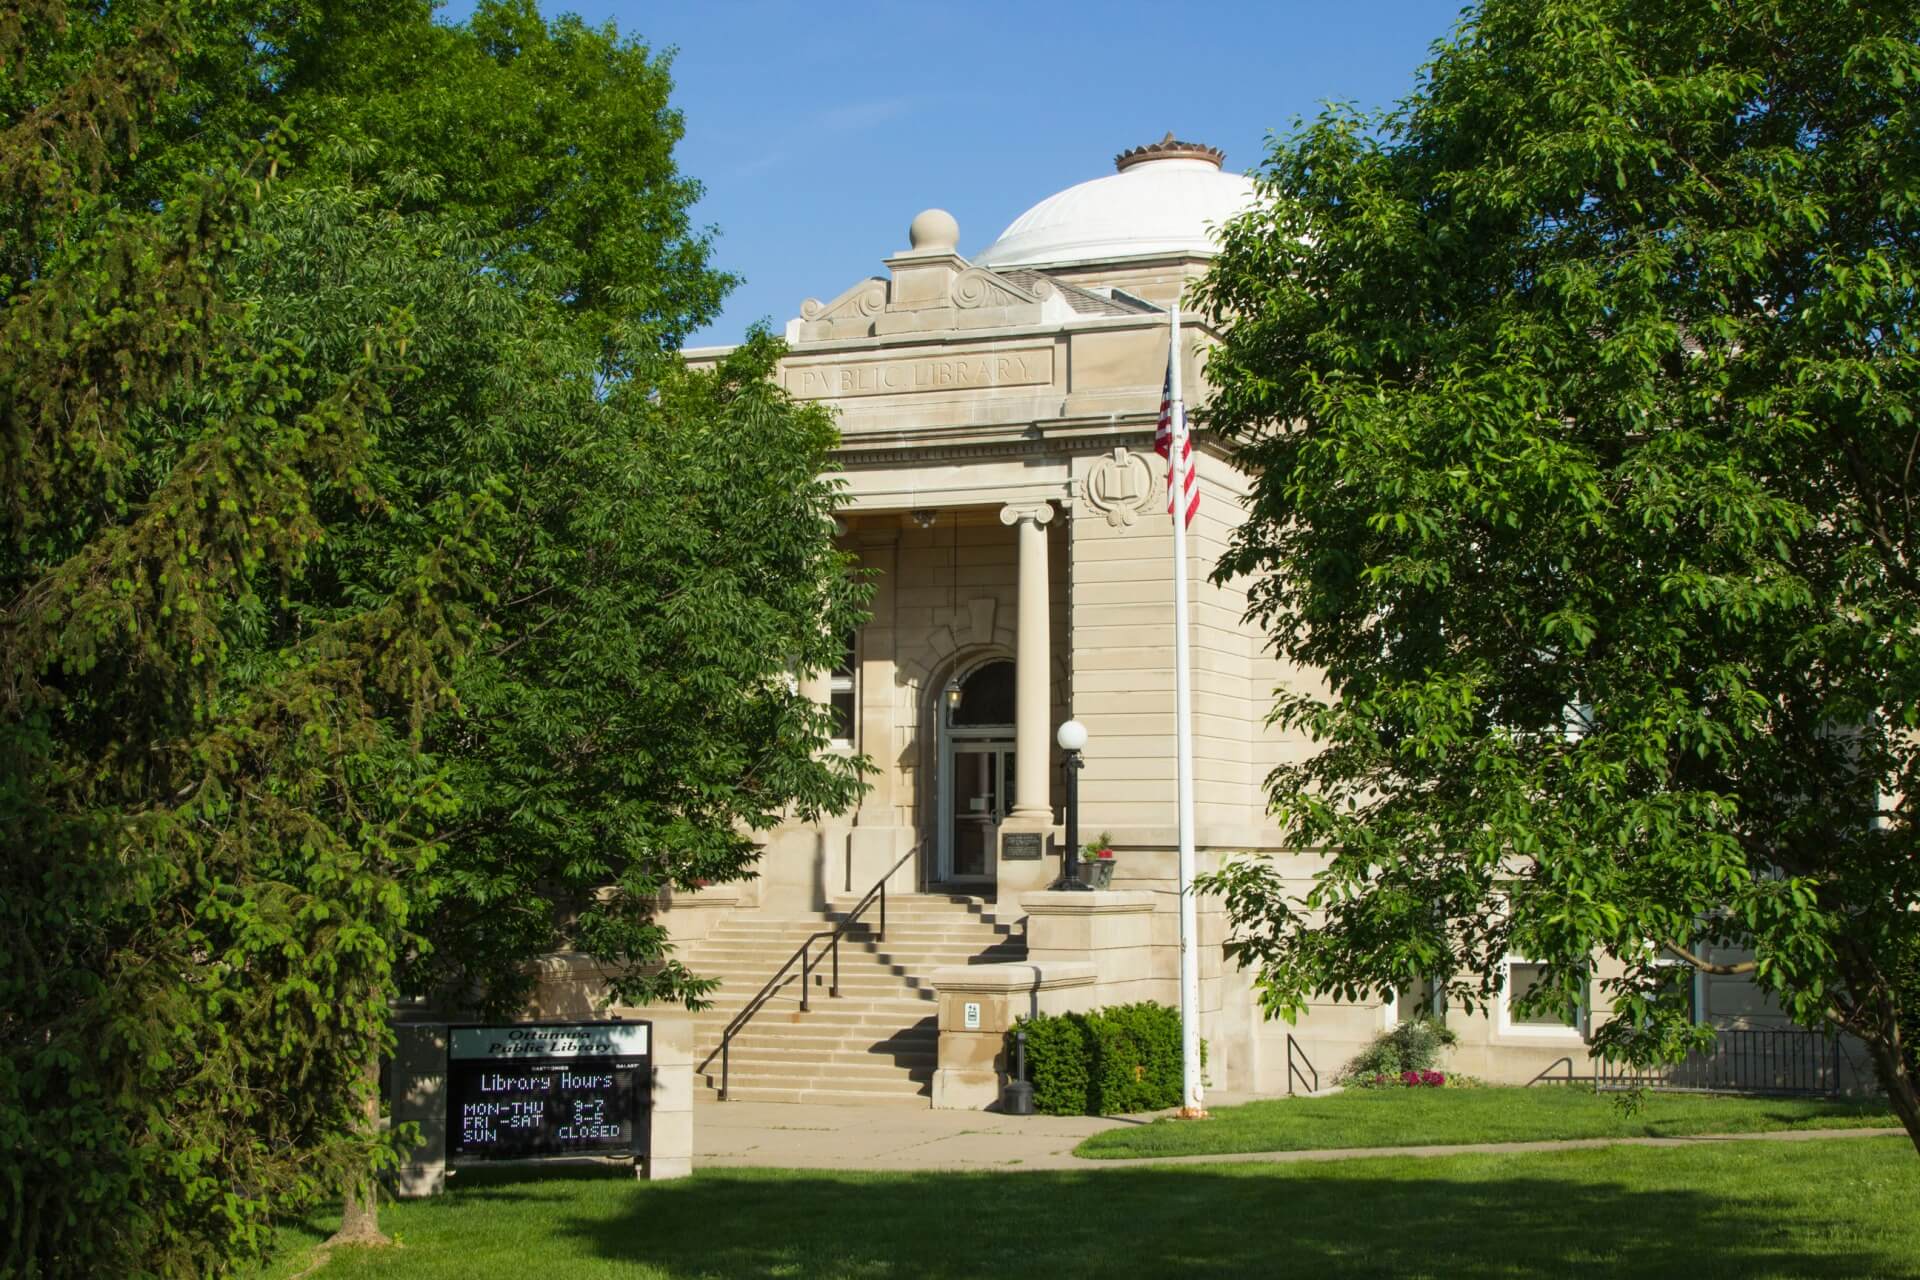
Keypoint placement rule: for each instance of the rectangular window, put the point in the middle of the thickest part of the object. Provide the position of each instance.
(1523, 976)
(1424, 998)
(1684, 985)
(842, 690)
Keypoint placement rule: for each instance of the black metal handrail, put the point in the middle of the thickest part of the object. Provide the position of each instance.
(1548, 1070)
(1293, 1072)
(804, 957)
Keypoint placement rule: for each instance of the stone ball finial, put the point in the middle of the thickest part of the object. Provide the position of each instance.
(933, 231)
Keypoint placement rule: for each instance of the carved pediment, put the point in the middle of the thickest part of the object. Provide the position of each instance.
(977, 287)
(866, 300)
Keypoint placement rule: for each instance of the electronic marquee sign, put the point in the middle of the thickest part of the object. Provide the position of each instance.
(536, 1089)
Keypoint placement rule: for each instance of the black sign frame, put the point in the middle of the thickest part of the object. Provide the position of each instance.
(632, 1086)
(1023, 846)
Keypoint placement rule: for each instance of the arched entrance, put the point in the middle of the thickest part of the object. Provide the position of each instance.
(976, 773)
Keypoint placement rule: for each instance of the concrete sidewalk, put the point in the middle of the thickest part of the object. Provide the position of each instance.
(737, 1135)
(817, 1136)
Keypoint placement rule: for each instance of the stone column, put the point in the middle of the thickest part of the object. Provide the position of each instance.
(418, 1094)
(1033, 666)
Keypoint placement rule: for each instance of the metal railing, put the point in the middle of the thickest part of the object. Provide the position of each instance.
(1784, 1060)
(1311, 1078)
(1777, 1060)
(804, 957)
(1552, 1072)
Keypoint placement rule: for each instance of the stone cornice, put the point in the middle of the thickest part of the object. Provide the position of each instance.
(906, 343)
(1057, 436)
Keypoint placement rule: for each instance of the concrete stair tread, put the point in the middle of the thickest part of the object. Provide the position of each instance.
(838, 1097)
(822, 1002)
(912, 1081)
(821, 1074)
(884, 1055)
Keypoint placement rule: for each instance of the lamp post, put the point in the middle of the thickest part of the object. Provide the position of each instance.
(1072, 737)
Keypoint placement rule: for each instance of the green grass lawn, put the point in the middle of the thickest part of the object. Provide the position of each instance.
(1739, 1211)
(1435, 1117)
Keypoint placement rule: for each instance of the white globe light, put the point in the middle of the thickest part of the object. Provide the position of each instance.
(1072, 736)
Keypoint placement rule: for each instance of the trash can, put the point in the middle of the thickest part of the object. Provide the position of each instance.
(1016, 1098)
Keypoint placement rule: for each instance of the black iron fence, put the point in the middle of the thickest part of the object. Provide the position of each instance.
(1782, 1060)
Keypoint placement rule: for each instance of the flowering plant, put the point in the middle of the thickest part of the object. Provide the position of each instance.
(1406, 1055)
(1101, 846)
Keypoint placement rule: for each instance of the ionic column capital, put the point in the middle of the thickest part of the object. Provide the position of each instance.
(1038, 512)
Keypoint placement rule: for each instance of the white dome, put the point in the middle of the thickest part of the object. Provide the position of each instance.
(1156, 204)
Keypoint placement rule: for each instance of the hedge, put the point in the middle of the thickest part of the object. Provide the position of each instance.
(1107, 1062)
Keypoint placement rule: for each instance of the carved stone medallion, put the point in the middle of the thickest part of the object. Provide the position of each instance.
(1120, 486)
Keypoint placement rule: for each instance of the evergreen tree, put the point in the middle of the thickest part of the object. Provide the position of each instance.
(201, 828)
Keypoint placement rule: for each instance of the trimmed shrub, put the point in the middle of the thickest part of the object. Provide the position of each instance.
(1058, 1063)
(1412, 1048)
(1107, 1062)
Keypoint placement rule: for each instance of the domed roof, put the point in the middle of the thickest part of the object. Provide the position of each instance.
(1164, 199)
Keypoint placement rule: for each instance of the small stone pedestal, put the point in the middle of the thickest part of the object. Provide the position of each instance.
(418, 1095)
(672, 1134)
(979, 1004)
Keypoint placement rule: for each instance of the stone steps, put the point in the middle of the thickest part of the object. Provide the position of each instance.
(764, 962)
(767, 1091)
(877, 1042)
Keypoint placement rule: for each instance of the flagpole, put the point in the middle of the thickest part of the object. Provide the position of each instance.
(1192, 1102)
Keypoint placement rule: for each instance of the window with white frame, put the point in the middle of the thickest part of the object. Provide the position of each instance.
(843, 690)
(1422, 998)
(1523, 976)
(1684, 985)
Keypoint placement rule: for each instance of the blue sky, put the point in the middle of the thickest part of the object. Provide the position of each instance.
(820, 129)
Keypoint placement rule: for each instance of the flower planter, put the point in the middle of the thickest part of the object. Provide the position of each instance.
(1097, 873)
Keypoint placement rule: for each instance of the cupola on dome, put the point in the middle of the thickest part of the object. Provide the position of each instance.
(1168, 198)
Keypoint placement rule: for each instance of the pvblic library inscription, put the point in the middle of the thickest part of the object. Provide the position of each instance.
(553, 1089)
(1027, 366)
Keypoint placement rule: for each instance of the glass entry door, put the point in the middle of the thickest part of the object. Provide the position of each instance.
(981, 787)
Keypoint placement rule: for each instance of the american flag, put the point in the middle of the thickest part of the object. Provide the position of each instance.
(1163, 445)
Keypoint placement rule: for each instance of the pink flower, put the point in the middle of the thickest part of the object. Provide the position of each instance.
(1104, 853)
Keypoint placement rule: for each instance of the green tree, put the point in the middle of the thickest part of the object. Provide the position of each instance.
(666, 560)
(201, 827)
(628, 719)
(1579, 394)
(388, 604)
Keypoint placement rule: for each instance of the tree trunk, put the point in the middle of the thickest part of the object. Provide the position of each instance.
(1890, 1064)
(360, 1218)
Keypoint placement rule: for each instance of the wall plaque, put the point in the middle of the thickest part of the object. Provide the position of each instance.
(548, 1089)
(1022, 846)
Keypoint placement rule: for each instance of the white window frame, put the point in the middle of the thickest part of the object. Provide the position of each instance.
(1436, 1006)
(1665, 959)
(848, 683)
(1539, 1031)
